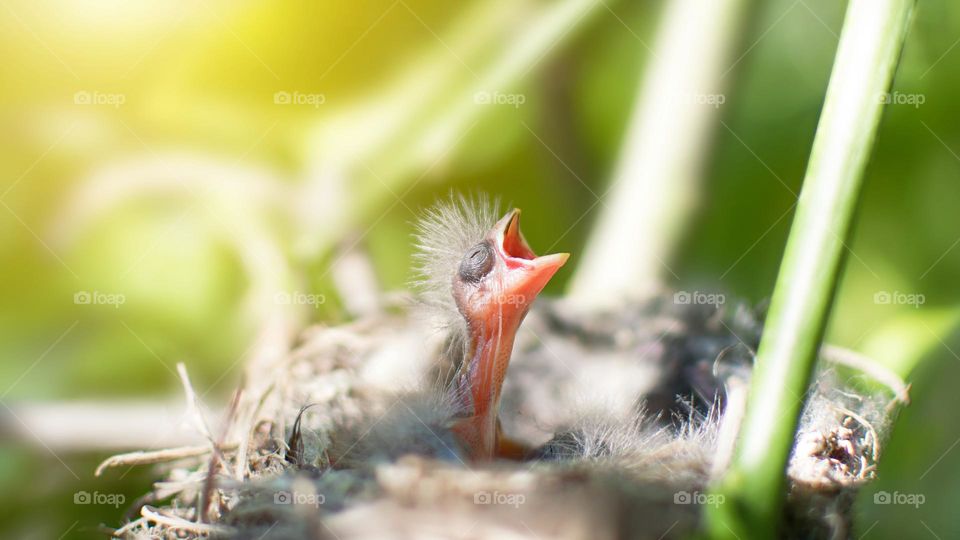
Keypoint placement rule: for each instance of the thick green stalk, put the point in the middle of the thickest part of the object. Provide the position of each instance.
(753, 487)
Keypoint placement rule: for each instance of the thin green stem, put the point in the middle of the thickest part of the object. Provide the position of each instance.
(753, 487)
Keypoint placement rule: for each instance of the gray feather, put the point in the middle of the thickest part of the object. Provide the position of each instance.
(444, 233)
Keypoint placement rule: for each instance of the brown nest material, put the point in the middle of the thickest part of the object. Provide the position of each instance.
(632, 412)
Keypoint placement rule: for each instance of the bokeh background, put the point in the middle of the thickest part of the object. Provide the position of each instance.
(160, 159)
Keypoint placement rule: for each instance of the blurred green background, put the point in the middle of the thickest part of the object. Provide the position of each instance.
(212, 115)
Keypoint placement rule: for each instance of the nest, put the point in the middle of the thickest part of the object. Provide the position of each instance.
(631, 413)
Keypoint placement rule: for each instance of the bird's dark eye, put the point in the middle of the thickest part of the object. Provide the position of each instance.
(477, 263)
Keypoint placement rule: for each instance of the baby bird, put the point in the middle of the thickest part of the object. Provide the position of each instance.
(481, 277)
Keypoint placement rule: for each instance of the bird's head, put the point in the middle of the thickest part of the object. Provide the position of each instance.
(484, 277)
(500, 276)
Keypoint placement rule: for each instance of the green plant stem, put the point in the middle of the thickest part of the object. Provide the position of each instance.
(753, 487)
(654, 187)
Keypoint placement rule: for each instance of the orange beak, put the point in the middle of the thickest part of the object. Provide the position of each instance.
(526, 273)
(493, 319)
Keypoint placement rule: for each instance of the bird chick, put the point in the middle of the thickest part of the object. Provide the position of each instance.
(482, 277)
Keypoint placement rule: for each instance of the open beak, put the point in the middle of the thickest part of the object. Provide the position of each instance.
(527, 274)
(493, 321)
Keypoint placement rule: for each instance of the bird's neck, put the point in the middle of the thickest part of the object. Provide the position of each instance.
(488, 356)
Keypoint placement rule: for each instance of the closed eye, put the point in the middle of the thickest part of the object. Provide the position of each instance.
(476, 263)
